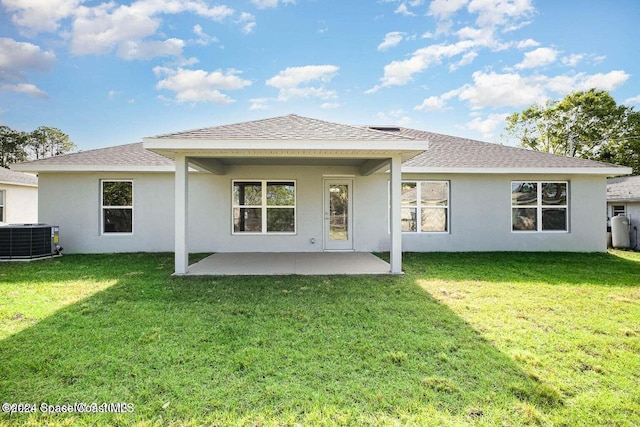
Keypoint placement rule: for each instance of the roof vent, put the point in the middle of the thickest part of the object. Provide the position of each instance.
(385, 128)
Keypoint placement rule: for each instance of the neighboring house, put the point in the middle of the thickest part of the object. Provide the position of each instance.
(295, 184)
(623, 198)
(18, 197)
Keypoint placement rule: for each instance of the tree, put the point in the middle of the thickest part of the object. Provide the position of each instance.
(17, 146)
(579, 125)
(626, 149)
(48, 142)
(536, 128)
(12, 146)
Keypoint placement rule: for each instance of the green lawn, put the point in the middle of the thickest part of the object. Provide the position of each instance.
(480, 339)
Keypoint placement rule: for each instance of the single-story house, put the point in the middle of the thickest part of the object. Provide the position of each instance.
(297, 184)
(18, 197)
(623, 198)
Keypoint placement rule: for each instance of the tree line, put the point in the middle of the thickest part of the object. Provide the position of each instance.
(587, 124)
(18, 146)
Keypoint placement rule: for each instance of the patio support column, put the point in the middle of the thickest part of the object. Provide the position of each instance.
(181, 214)
(395, 183)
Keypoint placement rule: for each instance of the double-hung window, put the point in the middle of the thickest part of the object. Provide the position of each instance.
(117, 206)
(425, 206)
(539, 206)
(264, 207)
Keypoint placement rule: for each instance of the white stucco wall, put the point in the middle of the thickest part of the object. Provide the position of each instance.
(20, 204)
(480, 217)
(480, 213)
(72, 201)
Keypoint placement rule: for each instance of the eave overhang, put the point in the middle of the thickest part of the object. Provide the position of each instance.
(213, 155)
(603, 171)
(31, 168)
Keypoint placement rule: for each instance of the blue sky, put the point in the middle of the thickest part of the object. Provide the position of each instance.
(109, 73)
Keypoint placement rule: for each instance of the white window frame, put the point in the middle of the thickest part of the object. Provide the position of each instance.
(103, 207)
(614, 210)
(539, 206)
(419, 205)
(264, 207)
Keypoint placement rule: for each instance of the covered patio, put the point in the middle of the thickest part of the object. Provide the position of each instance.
(281, 142)
(289, 263)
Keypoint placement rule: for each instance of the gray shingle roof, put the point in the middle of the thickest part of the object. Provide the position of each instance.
(17, 178)
(447, 151)
(291, 127)
(626, 188)
(120, 155)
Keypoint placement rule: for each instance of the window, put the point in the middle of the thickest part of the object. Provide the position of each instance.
(539, 206)
(1, 205)
(117, 207)
(425, 206)
(261, 207)
(618, 210)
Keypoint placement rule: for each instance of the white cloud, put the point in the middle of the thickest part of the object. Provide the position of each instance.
(258, 104)
(538, 58)
(404, 10)
(609, 81)
(503, 90)
(399, 73)
(200, 85)
(512, 90)
(633, 100)
(99, 30)
(487, 126)
(573, 59)
(248, 22)
(443, 9)
(109, 26)
(150, 49)
(265, 4)
(204, 39)
(292, 82)
(16, 58)
(466, 59)
(525, 44)
(36, 16)
(26, 89)
(435, 103)
(432, 103)
(565, 84)
(391, 39)
(500, 12)
(330, 105)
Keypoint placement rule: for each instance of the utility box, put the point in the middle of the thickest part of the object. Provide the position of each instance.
(620, 232)
(29, 241)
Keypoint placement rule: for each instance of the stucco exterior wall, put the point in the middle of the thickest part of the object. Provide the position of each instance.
(72, 201)
(480, 217)
(20, 204)
(480, 213)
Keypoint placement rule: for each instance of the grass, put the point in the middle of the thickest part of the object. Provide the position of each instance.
(460, 339)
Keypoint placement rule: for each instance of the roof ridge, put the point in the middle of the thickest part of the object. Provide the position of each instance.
(293, 117)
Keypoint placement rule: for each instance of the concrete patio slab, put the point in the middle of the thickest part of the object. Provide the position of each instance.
(288, 263)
